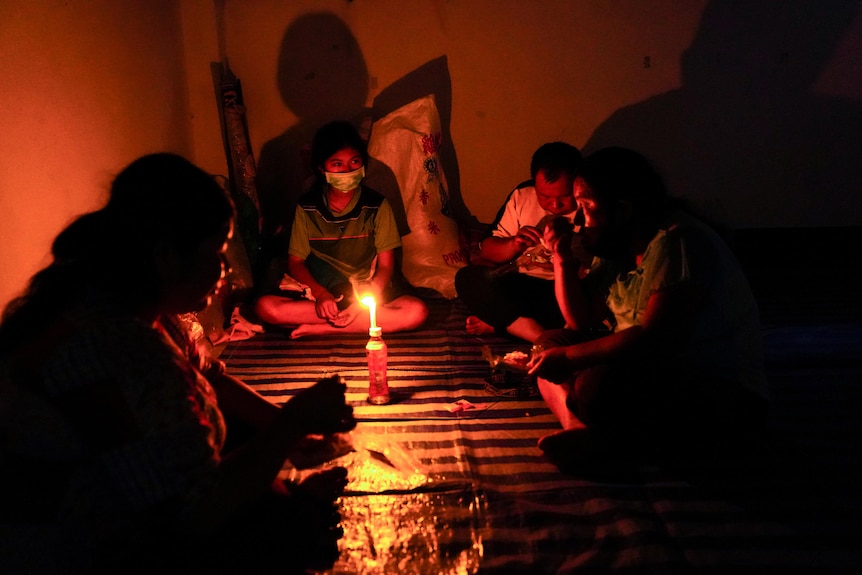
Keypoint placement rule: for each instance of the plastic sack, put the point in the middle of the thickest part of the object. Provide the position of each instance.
(407, 142)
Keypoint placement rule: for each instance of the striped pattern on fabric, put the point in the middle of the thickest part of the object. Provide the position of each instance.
(436, 491)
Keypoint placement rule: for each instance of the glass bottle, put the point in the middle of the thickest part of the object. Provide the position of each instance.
(376, 351)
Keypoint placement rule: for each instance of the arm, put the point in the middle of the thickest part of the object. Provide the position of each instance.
(580, 309)
(251, 470)
(386, 241)
(384, 270)
(503, 249)
(325, 303)
(665, 324)
(510, 237)
(240, 401)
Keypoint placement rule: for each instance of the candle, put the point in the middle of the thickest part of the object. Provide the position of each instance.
(372, 309)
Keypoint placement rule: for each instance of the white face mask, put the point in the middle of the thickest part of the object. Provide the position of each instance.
(345, 181)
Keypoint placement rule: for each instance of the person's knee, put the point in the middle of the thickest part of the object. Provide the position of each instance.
(266, 308)
(410, 311)
(593, 397)
(416, 310)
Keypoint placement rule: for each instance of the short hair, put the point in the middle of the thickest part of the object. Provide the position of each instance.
(555, 159)
(332, 137)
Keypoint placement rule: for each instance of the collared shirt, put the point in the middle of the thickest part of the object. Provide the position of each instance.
(521, 209)
(348, 240)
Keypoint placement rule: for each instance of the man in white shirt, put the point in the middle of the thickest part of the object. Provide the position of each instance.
(513, 290)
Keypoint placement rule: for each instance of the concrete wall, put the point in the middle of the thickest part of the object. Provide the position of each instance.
(752, 109)
(88, 85)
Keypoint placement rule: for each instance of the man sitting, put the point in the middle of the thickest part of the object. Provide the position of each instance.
(517, 296)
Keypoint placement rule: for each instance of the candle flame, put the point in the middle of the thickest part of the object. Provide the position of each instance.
(368, 300)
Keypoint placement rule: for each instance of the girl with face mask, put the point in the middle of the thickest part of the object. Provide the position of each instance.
(342, 247)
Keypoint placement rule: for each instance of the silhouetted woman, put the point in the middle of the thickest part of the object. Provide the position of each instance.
(112, 427)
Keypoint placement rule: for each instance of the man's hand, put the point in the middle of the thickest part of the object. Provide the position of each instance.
(527, 237)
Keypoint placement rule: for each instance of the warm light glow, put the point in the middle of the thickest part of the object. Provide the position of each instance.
(372, 308)
(397, 518)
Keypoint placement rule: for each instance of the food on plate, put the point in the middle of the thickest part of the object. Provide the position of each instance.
(517, 359)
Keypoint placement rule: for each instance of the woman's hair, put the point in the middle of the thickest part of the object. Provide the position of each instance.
(157, 198)
(332, 137)
(617, 173)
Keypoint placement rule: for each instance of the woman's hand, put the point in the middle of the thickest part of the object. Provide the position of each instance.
(552, 364)
(558, 237)
(321, 409)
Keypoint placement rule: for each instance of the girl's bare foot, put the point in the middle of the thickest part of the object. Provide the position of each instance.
(313, 329)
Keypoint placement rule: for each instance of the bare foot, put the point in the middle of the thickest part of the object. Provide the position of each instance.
(476, 326)
(314, 329)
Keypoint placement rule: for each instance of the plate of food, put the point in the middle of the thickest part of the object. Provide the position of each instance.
(508, 374)
(516, 360)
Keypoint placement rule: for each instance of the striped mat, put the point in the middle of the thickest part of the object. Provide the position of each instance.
(438, 490)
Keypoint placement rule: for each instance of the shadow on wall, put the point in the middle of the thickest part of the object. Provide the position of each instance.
(746, 140)
(322, 76)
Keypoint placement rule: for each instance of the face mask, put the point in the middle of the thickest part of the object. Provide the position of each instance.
(346, 181)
